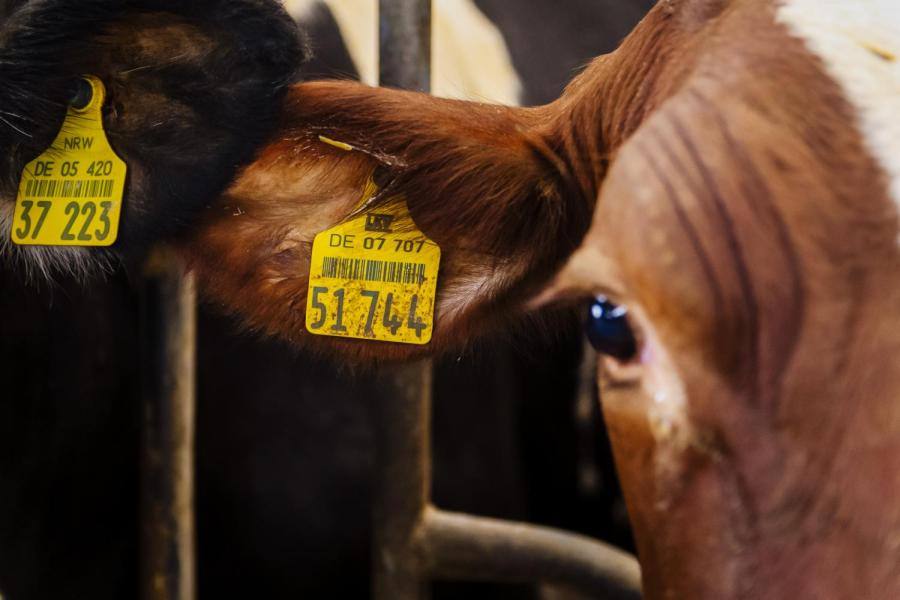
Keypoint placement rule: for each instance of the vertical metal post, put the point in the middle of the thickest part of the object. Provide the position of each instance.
(168, 342)
(404, 42)
(415, 542)
(403, 481)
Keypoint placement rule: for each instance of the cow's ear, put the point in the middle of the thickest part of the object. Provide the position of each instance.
(192, 90)
(478, 180)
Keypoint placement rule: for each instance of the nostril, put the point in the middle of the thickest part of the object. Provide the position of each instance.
(608, 330)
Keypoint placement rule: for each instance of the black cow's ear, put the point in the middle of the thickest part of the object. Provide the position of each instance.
(192, 89)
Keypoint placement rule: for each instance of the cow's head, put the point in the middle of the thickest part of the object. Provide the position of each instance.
(739, 215)
(192, 89)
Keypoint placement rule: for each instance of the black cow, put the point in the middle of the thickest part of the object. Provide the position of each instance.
(193, 88)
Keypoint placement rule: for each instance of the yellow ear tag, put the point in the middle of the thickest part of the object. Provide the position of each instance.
(374, 277)
(71, 195)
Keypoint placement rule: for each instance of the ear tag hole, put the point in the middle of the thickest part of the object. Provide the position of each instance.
(84, 94)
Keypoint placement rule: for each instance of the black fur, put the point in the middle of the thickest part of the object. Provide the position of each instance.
(193, 89)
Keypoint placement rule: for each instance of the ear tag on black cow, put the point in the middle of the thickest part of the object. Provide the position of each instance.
(71, 195)
(374, 276)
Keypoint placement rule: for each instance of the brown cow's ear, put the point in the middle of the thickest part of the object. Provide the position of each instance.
(473, 177)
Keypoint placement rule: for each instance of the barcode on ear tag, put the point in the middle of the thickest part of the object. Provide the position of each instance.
(374, 277)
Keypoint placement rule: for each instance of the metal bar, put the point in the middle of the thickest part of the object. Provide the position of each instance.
(404, 40)
(414, 541)
(403, 482)
(168, 341)
(458, 546)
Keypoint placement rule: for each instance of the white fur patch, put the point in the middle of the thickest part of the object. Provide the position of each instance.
(668, 414)
(357, 21)
(469, 60)
(859, 43)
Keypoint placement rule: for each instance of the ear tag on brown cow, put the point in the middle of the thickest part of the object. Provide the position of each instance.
(71, 195)
(374, 276)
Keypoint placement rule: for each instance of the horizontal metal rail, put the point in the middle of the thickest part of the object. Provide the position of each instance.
(465, 547)
(416, 542)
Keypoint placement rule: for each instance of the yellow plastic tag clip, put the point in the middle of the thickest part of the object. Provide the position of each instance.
(71, 195)
(374, 276)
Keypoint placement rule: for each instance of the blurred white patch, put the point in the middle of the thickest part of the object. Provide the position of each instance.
(469, 59)
(357, 20)
(859, 43)
(668, 415)
(300, 9)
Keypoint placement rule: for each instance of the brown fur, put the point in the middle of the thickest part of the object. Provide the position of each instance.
(748, 223)
(474, 178)
(505, 192)
(737, 213)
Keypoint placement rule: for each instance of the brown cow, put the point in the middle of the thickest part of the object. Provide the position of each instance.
(741, 162)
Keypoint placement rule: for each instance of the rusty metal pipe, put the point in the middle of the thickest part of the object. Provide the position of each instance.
(402, 483)
(403, 452)
(168, 342)
(465, 547)
(415, 542)
(404, 41)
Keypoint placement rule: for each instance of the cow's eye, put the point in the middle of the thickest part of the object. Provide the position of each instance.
(608, 329)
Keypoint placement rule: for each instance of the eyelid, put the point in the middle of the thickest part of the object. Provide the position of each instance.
(618, 374)
(587, 274)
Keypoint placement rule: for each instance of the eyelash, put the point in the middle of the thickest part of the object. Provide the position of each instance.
(609, 331)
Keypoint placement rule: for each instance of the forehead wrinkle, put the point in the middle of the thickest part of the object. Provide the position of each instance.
(664, 231)
(728, 274)
(676, 202)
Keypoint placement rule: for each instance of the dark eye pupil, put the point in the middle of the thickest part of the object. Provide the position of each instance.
(608, 330)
